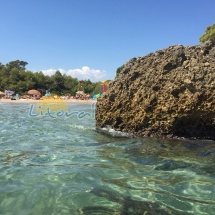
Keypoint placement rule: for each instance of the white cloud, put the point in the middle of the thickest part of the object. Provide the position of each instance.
(49, 72)
(84, 73)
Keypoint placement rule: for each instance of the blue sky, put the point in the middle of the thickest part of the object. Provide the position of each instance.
(92, 38)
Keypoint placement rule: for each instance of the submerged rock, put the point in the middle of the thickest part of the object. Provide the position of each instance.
(209, 152)
(172, 165)
(169, 93)
(129, 206)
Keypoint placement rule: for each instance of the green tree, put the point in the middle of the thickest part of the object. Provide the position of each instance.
(208, 35)
(14, 76)
(88, 86)
(16, 64)
(70, 84)
(40, 80)
(58, 82)
(1, 66)
(21, 87)
(119, 69)
(97, 88)
(4, 83)
(3, 78)
(29, 80)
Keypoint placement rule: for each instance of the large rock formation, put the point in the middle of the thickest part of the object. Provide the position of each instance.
(167, 93)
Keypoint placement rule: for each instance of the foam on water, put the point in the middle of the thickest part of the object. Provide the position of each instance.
(111, 132)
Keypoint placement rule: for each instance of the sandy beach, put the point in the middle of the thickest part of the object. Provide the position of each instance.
(51, 100)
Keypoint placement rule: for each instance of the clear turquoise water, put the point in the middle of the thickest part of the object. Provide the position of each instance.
(62, 166)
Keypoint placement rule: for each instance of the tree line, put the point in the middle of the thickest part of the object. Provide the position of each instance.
(14, 76)
(209, 35)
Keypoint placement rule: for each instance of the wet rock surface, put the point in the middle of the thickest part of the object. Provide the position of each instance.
(169, 93)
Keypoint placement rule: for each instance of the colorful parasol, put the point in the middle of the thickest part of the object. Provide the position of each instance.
(34, 92)
(9, 92)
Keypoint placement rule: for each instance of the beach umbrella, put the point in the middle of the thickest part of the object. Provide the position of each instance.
(9, 92)
(104, 88)
(33, 92)
(106, 83)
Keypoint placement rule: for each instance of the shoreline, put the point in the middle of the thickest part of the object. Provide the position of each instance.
(51, 100)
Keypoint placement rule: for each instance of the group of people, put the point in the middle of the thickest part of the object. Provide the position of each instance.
(8, 94)
(82, 96)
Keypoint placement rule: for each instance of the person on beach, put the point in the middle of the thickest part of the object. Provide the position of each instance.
(5, 92)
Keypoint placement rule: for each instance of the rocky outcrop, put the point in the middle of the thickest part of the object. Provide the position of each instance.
(169, 93)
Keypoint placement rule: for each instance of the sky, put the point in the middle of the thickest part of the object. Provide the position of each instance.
(90, 39)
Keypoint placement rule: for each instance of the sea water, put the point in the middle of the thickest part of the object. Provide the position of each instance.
(63, 166)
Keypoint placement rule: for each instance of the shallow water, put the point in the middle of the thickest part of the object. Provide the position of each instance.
(62, 166)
